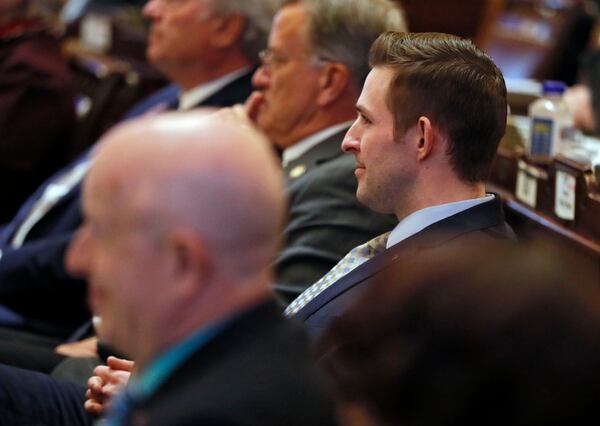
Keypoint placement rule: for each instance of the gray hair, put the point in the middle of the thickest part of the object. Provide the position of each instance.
(344, 30)
(258, 14)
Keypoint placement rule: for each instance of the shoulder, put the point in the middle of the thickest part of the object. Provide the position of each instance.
(323, 176)
(268, 366)
(34, 56)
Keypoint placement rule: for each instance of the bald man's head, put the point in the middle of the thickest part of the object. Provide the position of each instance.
(209, 172)
(183, 212)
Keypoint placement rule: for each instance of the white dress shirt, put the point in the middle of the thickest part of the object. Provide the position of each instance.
(190, 98)
(295, 151)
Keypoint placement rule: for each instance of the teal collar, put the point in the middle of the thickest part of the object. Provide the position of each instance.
(144, 385)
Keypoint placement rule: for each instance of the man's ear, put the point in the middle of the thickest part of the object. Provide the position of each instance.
(227, 30)
(333, 80)
(426, 135)
(193, 264)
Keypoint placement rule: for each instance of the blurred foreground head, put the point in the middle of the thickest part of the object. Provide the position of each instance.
(497, 335)
(183, 214)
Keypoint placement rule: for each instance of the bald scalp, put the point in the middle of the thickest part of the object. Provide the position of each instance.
(200, 172)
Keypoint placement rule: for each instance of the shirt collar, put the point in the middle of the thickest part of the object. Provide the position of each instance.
(190, 98)
(295, 151)
(143, 385)
(421, 219)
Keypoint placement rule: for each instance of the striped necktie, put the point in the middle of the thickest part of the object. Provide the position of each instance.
(356, 256)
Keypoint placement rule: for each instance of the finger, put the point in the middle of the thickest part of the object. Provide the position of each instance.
(62, 349)
(90, 394)
(93, 407)
(101, 371)
(109, 391)
(95, 384)
(253, 104)
(120, 364)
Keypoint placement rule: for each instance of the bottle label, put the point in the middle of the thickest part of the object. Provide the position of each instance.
(568, 134)
(568, 139)
(541, 136)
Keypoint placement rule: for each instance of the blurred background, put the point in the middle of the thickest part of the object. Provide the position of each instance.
(555, 195)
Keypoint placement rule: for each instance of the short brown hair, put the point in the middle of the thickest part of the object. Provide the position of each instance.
(456, 85)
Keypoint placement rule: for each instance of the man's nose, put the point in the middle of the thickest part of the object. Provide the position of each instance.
(151, 9)
(260, 79)
(351, 142)
(77, 257)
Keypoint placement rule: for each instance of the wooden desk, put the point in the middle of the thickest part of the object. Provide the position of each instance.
(529, 192)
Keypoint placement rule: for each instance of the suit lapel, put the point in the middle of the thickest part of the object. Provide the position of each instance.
(324, 151)
(233, 93)
(482, 216)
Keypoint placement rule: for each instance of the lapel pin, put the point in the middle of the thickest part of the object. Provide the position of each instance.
(297, 171)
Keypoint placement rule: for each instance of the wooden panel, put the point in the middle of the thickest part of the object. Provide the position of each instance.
(465, 18)
(529, 41)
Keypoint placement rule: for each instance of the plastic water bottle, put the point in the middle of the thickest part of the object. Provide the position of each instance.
(552, 129)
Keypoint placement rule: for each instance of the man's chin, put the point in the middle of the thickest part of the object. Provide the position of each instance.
(363, 197)
(154, 57)
(264, 125)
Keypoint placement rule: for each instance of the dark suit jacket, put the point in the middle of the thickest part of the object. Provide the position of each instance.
(36, 112)
(255, 372)
(479, 223)
(325, 219)
(33, 279)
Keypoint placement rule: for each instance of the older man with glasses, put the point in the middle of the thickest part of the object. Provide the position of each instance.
(306, 88)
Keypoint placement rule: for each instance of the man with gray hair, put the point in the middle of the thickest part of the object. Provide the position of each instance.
(306, 88)
(207, 48)
(178, 254)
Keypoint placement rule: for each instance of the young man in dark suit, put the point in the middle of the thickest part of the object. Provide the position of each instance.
(430, 117)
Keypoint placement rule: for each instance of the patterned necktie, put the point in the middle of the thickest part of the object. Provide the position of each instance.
(357, 256)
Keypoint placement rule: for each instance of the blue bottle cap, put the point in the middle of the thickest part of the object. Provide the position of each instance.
(552, 86)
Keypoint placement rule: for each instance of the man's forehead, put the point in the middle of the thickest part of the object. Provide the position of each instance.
(377, 84)
(290, 24)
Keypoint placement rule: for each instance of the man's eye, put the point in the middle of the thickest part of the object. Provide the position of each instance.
(364, 118)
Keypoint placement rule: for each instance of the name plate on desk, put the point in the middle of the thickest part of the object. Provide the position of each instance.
(564, 195)
(527, 183)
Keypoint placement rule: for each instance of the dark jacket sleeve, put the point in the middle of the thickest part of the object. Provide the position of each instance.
(34, 282)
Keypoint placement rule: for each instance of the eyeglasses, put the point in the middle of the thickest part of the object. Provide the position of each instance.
(269, 58)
